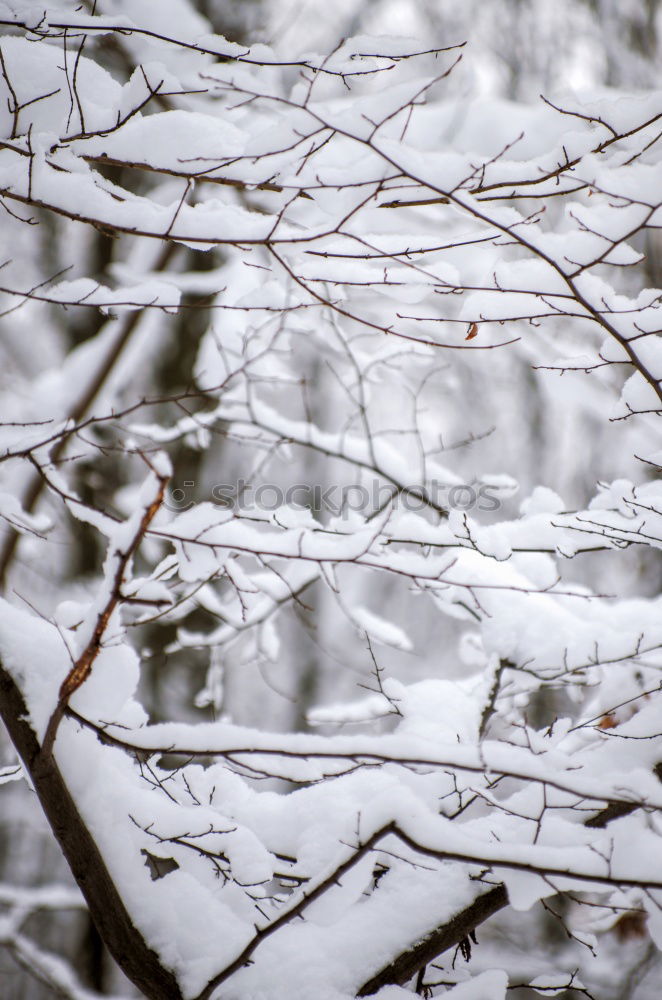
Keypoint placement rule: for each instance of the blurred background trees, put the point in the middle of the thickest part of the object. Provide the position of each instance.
(517, 49)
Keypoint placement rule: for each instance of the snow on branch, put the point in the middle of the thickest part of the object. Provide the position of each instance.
(341, 318)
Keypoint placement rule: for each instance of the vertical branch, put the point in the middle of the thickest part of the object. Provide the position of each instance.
(82, 668)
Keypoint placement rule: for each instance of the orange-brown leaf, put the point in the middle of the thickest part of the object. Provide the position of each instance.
(631, 925)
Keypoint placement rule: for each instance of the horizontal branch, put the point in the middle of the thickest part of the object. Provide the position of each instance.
(309, 748)
(75, 28)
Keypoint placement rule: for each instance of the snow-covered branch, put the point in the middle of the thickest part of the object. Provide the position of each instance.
(341, 317)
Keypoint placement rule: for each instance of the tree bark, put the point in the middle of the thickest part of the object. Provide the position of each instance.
(407, 964)
(124, 941)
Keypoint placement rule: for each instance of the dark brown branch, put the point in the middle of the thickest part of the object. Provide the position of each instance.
(52, 29)
(307, 897)
(125, 942)
(612, 811)
(368, 758)
(449, 935)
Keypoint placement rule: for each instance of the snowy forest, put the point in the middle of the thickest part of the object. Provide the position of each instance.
(331, 615)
